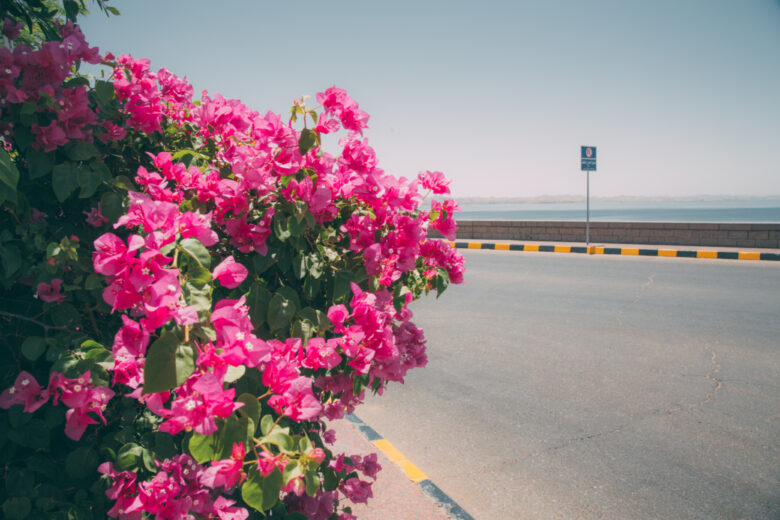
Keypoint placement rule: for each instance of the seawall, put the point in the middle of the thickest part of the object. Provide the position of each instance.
(661, 233)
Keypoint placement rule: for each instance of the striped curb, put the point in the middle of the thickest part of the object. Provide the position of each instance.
(413, 472)
(600, 250)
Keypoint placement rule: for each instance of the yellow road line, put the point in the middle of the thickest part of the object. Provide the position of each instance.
(412, 471)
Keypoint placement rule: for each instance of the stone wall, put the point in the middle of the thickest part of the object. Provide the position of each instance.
(659, 233)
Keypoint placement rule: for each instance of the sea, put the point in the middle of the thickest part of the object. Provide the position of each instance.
(749, 210)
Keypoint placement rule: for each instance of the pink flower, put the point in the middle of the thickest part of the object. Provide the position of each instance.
(95, 216)
(434, 181)
(49, 137)
(224, 510)
(226, 473)
(26, 391)
(357, 490)
(230, 273)
(51, 292)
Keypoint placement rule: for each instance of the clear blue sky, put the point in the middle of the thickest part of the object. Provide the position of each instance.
(681, 97)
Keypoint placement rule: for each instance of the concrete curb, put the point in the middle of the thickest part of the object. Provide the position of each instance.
(601, 250)
(411, 471)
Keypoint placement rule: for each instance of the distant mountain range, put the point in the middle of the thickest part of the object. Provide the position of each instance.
(551, 199)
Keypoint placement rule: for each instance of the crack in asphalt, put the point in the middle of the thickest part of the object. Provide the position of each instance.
(636, 299)
(711, 375)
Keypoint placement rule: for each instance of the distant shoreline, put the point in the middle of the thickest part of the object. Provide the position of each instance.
(554, 199)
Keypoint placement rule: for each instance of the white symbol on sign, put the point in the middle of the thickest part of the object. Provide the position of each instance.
(588, 152)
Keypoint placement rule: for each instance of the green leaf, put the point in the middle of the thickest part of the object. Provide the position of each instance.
(236, 430)
(89, 179)
(199, 275)
(130, 457)
(17, 508)
(303, 329)
(234, 373)
(81, 151)
(291, 471)
(307, 140)
(315, 266)
(71, 9)
(251, 407)
(104, 91)
(168, 364)
(311, 287)
(280, 312)
(123, 182)
(11, 258)
(279, 437)
(272, 484)
(316, 316)
(81, 463)
(290, 294)
(111, 205)
(252, 490)
(203, 448)
(64, 180)
(93, 281)
(341, 286)
(198, 297)
(9, 175)
(312, 482)
(299, 266)
(33, 347)
(281, 230)
(38, 163)
(258, 299)
(262, 263)
(196, 250)
(266, 424)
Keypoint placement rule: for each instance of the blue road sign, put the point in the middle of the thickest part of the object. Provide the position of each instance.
(588, 157)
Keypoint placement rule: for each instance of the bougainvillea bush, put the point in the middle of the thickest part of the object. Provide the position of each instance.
(190, 288)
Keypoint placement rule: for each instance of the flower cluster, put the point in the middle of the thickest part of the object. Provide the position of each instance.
(36, 77)
(79, 395)
(248, 283)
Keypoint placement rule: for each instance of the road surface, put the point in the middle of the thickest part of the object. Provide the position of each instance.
(590, 387)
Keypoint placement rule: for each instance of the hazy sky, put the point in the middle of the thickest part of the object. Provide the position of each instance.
(681, 97)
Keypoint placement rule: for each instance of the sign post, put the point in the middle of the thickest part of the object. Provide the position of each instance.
(588, 164)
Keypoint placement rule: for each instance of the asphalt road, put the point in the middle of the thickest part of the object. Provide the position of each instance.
(585, 387)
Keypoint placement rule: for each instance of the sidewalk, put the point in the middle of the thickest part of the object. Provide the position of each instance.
(396, 496)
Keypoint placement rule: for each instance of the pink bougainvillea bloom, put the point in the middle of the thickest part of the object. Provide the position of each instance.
(226, 473)
(25, 391)
(357, 490)
(230, 273)
(95, 216)
(434, 181)
(51, 292)
(225, 510)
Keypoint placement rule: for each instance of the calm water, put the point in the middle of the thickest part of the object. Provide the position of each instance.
(666, 211)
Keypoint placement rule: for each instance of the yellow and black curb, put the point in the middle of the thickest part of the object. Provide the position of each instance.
(601, 250)
(413, 472)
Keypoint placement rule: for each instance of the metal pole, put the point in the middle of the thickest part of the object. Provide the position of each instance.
(587, 213)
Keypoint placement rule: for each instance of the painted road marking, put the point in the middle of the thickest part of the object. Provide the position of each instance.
(412, 471)
(632, 251)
